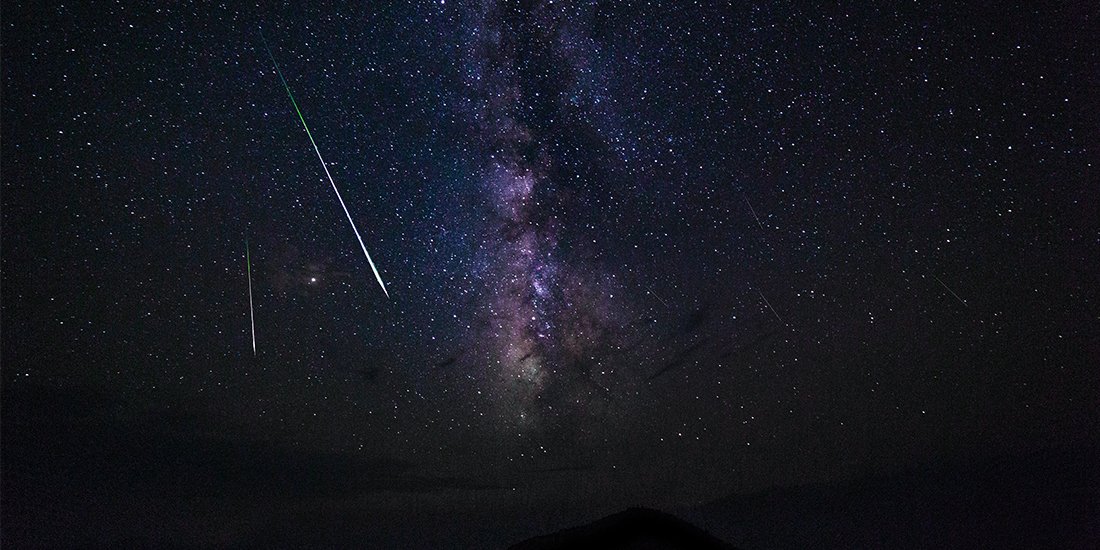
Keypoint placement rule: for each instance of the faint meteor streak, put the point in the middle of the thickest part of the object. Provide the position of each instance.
(769, 304)
(325, 166)
(753, 210)
(650, 290)
(251, 312)
(947, 288)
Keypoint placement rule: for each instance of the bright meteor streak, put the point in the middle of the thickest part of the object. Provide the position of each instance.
(325, 166)
(251, 312)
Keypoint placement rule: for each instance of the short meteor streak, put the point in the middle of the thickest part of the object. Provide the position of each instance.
(769, 304)
(251, 312)
(650, 290)
(753, 210)
(947, 288)
(325, 166)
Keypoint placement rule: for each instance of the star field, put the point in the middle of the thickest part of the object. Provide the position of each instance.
(638, 253)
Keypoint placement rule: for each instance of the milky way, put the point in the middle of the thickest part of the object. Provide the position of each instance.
(548, 309)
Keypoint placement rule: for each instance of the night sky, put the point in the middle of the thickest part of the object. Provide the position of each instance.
(637, 253)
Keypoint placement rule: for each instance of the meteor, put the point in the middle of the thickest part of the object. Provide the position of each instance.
(251, 312)
(325, 166)
(770, 307)
(650, 290)
(753, 210)
(961, 301)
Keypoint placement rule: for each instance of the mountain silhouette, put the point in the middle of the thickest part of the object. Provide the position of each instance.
(1049, 498)
(631, 529)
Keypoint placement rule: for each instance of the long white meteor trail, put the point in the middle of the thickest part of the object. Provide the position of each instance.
(325, 166)
(251, 312)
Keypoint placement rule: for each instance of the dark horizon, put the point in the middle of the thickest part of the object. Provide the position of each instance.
(621, 255)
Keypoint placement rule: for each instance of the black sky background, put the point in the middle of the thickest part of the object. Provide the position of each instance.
(638, 253)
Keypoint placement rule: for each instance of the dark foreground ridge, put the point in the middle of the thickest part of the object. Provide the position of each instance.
(1048, 498)
(635, 528)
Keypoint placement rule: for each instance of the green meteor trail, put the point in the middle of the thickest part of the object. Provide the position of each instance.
(325, 166)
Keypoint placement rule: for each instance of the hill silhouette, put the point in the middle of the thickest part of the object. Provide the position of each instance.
(631, 529)
(1044, 499)
(1049, 498)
